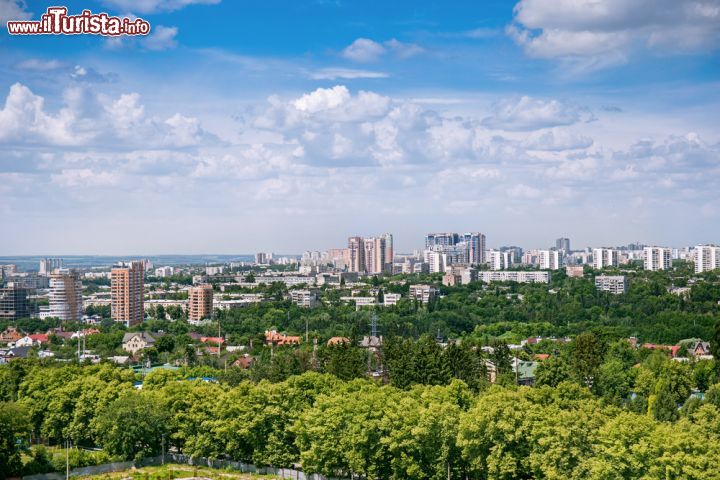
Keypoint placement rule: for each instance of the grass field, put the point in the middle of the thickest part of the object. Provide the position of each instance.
(168, 472)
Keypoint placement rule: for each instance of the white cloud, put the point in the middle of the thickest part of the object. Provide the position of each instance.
(322, 99)
(526, 113)
(154, 6)
(366, 50)
(13, 10)
(345, 73)
(363, 50)
(557, 140)
(39, 65)
(594, 34)
(87, 117)
(161, 38)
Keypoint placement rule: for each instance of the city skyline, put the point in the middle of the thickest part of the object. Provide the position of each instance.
(285, 126)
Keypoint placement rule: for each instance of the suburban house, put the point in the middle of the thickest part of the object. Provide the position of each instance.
(10, 335)
(32, 340)
(699, 349)
(338, 341)
(244, 362)
(272, 337)
(133, 342)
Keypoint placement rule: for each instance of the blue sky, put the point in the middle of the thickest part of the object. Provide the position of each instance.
(287, 125)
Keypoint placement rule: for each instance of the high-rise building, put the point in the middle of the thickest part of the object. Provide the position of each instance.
(461, 248)
(657, 258)
(200, 302)
(127, 289)
(563, 244)
(549, 259)
(372, 255)
(605, 257)
(501, 260)
(707, 258)
(389, 252)
(14, 302)
(356, 254)
(48, 265)
(66, 295)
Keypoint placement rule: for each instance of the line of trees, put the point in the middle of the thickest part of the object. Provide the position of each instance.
(362, 428)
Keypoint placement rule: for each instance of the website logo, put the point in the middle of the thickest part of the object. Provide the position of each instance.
(56, 21)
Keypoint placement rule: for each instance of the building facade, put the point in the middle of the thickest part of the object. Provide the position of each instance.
(65, 300)
(126, 293)
(200, 302)
(549, 259)
(615, 284)
(707, 258)
(657, 258)
(605, 257)
(514, 276)
(14, 302)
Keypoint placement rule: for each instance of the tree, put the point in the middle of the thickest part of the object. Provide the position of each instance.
(662, 405)
(614, 381)
(166, 343)
(587, 355)
(14, 426)
(552, 372)
(132, 426)
(343, 360)
(715, 345)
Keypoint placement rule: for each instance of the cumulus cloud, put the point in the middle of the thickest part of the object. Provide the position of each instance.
(526, 113)
(595, 34)
(87, 117)
(161, 38)
(154, 6)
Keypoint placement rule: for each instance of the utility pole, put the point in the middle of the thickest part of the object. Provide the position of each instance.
(67, 458)
(163, 449)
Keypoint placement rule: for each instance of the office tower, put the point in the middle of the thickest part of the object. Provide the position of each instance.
(48, 265)
(261, 258)
(200, 302)
(707, 258)
(389, 252)
(441, 239)
(356, 254)
(605, 257)
(501, 260)
(14, 302)
(563, 244)
(549, 259)
(126, 288)
(66, 295)
(657, 258)
(476, 247)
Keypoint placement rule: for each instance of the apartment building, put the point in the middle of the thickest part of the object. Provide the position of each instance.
(615, 284)
(514, 276)
(423, 293)
(65, 299)
(707, 258)
(605, 257)
(200, 302)
(657, 258)
(126, 293)
(549, 259)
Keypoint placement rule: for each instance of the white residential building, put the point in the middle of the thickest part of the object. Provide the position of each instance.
(549, 259)
(605, 257)
(423, 293)
(501, 260)
(65, 299)
(616, 284)
(514, 276)
(163, 272)
(657, 258)
(304, 298)
(390, 299)
(707, 258)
